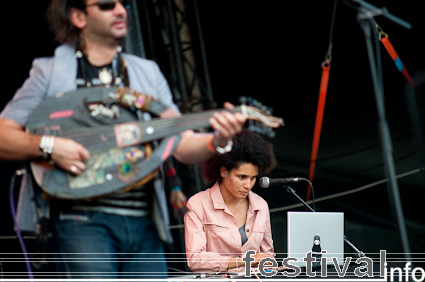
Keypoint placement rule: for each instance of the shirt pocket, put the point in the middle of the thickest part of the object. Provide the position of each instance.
(216, 234)
(215, 227)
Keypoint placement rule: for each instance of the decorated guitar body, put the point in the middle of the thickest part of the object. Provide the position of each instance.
(109, 132)
(120, 153)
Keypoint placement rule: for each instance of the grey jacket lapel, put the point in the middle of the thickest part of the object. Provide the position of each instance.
(64, 70)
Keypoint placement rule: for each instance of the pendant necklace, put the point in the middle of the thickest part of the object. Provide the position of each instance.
(105, 76)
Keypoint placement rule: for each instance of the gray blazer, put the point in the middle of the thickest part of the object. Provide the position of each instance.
(51, 75)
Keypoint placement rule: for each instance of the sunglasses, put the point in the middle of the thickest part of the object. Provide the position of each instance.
(107, 5)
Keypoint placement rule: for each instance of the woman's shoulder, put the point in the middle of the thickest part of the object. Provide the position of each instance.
(257, 200)
(199, 198)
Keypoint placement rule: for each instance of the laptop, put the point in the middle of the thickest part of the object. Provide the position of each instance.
(304, 228)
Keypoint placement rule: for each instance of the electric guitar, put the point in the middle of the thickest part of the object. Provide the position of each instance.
(104, 122)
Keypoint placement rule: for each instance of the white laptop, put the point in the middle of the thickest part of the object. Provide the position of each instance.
(304, 226)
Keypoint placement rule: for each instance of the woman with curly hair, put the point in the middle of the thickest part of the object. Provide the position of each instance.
(228, 219)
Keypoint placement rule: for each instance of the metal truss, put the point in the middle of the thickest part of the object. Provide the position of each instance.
(169, 32)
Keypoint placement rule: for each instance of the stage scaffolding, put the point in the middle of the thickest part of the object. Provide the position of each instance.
(169, 32)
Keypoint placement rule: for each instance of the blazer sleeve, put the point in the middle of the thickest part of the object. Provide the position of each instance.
(198, 259)
(31, 94)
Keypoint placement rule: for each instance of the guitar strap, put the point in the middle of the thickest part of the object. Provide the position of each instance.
(134, 100)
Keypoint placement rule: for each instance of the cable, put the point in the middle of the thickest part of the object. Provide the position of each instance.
(328, 57)
(15, 222)
(312, 193)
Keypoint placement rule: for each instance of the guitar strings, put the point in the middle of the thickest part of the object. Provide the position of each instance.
(105, 134)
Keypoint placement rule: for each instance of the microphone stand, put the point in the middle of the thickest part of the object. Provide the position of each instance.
(357, 252)
(365, 17)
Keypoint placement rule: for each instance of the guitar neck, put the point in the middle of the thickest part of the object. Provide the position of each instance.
(167, 127)
(105, 137)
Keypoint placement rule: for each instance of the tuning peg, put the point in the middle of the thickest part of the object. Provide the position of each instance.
(271, 134)
(270, 111)
(243, 100)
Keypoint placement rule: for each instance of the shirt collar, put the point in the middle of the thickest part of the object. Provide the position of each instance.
(217, 198)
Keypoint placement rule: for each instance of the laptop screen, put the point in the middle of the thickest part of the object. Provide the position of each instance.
(315, 231)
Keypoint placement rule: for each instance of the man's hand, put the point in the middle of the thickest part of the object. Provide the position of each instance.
(226, 124)
(70, 155)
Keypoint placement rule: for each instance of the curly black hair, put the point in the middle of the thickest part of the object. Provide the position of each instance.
(248, 147)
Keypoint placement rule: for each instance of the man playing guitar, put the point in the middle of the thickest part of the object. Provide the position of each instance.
(91, 32)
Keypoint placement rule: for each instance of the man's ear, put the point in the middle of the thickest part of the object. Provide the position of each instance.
(78, 18)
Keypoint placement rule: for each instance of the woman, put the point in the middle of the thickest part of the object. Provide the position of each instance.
(225, 221)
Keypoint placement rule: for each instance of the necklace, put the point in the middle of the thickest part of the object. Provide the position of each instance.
(107, 76)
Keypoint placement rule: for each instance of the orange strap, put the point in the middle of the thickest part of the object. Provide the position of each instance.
(318, 126)
(391, 51)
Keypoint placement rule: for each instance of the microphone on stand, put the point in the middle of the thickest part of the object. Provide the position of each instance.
(316, 251)
(265, 182)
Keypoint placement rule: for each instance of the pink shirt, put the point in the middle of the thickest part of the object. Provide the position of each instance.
(212, 236)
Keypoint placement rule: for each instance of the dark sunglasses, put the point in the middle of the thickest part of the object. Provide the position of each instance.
(107, 5)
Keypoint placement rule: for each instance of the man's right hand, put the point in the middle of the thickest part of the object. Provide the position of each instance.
(70, 155)
(17, 144)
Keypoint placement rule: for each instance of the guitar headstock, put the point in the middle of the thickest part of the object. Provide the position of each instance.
(260, 117)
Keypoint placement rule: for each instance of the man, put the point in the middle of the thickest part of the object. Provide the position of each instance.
(117, 226)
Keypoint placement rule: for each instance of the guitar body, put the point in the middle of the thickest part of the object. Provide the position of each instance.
(111, 133)
(120, 153)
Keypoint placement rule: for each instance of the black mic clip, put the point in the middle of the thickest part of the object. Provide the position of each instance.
(316, 252)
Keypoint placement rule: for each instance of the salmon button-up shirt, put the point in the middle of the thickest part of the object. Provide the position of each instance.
(212, 235)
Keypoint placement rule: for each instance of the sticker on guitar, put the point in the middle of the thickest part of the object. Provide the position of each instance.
(127, 134)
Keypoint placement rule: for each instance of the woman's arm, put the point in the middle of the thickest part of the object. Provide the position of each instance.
(267, 243)
(198, 259)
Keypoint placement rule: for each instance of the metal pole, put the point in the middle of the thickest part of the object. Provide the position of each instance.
(211, 101)
(134, 39)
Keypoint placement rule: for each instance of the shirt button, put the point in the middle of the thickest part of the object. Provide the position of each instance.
(247, 230)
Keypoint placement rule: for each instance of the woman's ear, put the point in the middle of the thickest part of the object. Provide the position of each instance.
(78, 18)
(223, 171)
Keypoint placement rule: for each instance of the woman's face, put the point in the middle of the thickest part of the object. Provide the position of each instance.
(239, 181)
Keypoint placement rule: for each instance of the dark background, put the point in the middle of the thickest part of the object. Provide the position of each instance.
(272, 51)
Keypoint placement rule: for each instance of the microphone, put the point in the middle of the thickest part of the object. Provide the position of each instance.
(316, 251)
(265, 182)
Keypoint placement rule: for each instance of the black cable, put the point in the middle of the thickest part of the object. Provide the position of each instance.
(312, 193)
